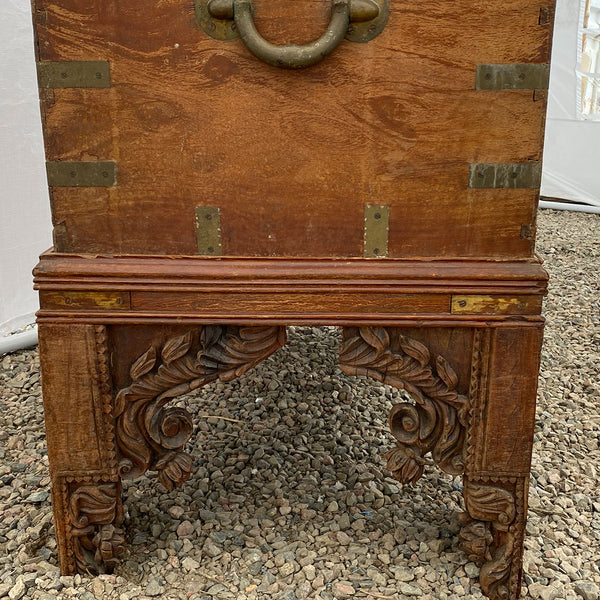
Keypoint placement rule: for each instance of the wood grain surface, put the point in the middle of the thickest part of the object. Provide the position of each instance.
(68, 360)
(142, 289)
(291, 158)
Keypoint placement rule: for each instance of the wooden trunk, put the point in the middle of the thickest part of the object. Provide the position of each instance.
(203, 199)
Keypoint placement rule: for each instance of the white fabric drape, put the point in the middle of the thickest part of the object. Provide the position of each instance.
(25, 228)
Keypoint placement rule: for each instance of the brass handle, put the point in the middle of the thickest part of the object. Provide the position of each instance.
(291, 57)
(364, 13)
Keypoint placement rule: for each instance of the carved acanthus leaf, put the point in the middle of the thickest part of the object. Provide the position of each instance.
(435, 423)
(95, 513)
(491, 512)
(475, 539)
(494, 576)
(143, 364)
(151, 435)
(490, 503)
(176, 347)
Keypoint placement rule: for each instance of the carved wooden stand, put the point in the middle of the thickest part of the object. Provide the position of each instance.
(121, 337)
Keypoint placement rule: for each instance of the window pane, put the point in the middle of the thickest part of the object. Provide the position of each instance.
(591, 19)
(590, 55)
(590, 96)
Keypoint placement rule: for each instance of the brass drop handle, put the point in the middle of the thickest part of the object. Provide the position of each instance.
(343, 14)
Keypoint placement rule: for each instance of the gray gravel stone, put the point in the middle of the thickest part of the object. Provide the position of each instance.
(38, 497)
(154, 587)
(410, 590)
(189, 564)
(18, 590)
(185, 529)
(587, 590)
(402, 573)
(472, 570)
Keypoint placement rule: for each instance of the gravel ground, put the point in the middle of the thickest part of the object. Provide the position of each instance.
(289, 499)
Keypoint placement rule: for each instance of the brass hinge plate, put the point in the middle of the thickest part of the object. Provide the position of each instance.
(376, 232)
(81, 174)
(74, 74)
(525, 76)
(505, 175)
(208, 230)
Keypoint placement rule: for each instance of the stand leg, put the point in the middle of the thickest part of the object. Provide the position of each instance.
(86, 489)
(95, 438)
(498, 456)
(486, 432)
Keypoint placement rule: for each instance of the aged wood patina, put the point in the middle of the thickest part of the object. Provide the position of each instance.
(203, 197)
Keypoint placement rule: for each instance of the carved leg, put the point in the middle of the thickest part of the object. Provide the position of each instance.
(86, 490)
(435, 422)
(94, 437)
(492, 533)
(498, 455)
(94, 513)
(151, 435)
(488, 434)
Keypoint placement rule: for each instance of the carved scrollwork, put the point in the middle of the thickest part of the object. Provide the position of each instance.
(475, 539)
(435, 423)
(150, 434)
(490, 503)
(95, 512)
(491, 514)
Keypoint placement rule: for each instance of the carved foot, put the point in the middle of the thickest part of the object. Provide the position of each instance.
(492, 536)
(94, 516)
(435, 422)
(151, 435)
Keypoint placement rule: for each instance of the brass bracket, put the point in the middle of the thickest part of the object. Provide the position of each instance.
(208, 230)
(377, 226)
(526, 76)
(74, 74)
(505, 175)
(81, 174)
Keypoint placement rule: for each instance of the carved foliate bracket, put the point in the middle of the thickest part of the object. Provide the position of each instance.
(435, 423)
(150, 434)
(94, 515)
(491, 536)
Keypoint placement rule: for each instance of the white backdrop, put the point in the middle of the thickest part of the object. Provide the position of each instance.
(24, 207)
(572, 145)
(570, 164)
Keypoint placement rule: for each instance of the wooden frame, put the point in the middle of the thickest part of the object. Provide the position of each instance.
(122, 336)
